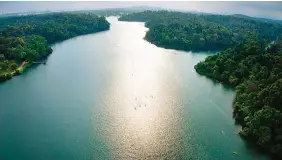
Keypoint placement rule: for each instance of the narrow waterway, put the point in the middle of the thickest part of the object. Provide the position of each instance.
(112, 95)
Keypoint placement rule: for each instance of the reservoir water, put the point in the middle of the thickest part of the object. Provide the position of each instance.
(112, 95)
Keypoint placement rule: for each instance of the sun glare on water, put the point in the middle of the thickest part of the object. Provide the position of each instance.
(140, 103)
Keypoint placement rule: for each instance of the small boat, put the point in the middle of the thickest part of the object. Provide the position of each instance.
(235, 152)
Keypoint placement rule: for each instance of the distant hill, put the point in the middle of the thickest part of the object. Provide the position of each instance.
(134, 9)
(257, 18)
(119, 11)
(103, 12)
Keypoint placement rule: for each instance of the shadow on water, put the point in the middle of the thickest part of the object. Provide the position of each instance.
(226, 87)
(77, 37)
(250, 147)
(183, 50)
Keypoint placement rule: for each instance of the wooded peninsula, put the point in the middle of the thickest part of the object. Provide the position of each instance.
(202, 32)
(25, 39)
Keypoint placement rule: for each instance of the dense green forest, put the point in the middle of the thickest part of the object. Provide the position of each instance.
(27, 38)
(255, 70)
(189, 31)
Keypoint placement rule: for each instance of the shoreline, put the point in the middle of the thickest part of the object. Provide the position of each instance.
(24, 65)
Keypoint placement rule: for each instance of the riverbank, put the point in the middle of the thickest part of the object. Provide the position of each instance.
(258, 86)
(32, 44)
(6, 76)
(21, 69)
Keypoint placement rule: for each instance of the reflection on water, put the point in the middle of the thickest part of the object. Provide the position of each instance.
(112, 95)
(140, 102)
(149, 114)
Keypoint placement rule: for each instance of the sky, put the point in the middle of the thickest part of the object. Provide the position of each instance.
(257, 9)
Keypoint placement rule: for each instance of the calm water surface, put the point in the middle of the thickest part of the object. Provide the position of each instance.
(113, 95)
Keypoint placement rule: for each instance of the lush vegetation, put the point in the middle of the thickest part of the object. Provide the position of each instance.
(255, 70)
(188, 31)
(53, 27)
(26, 38)
(16, 50)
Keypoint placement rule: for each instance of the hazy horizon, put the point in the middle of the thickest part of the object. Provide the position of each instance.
(271, 10)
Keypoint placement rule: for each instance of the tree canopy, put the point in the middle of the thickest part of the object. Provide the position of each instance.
(27, 38)
(255, 70)
(189, 31)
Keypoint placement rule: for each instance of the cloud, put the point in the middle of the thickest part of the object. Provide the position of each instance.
(258, 9)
